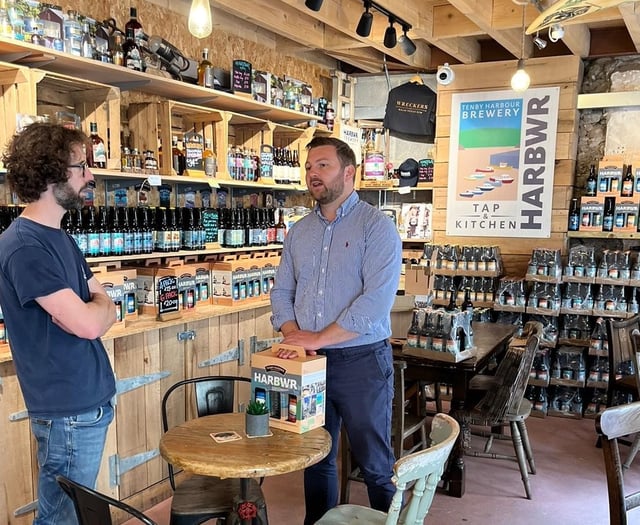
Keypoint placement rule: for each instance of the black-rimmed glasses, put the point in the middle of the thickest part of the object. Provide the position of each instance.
(82, 165)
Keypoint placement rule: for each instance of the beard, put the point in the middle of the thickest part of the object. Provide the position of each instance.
(326, 194)
(67, 197)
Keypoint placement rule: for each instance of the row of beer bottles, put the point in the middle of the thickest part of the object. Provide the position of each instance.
(240, 227)
(107, 231)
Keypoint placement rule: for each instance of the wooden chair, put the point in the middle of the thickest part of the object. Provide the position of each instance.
(201, 498)
(93, 508)
(504, 405)
(612, 424)
(423, 469)
(404, 427)
(622, 368)
(635, 446)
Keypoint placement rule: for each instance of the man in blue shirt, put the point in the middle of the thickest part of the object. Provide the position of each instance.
(55, 313)
(333, 294)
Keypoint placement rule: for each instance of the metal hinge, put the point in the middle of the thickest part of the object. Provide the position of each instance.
(131, 383)
(263, 344)
(233, 354)
(26, 509)
(17, 416)
(117, 466)
(187, 335)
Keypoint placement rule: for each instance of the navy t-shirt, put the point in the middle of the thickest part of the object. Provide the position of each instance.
(411, 109)
(60, 374)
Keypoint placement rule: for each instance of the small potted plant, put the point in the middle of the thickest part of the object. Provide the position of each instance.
(257, 419)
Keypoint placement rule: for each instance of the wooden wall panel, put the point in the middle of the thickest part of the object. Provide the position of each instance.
(16, 488)
(564, 72)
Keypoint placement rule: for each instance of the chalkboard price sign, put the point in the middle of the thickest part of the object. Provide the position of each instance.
(210, 221)
(168, 303)
(266, 161)
(241, 79)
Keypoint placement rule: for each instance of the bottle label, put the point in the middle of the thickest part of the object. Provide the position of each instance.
(99, 153)
(210, 166)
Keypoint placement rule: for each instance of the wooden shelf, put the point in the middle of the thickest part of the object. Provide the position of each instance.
(27, 54)
(214, 182)
(603, 235)
(92, 261)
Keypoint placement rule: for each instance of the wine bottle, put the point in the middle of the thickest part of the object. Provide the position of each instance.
(98, 157)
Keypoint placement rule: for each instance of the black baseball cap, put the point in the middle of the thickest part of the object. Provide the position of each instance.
(408, 172)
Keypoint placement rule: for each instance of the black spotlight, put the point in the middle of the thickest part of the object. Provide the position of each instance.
(364, 25)
(406, 44)
(314, 5)
(390, 37)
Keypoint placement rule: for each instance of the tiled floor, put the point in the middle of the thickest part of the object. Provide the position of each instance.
(569, 488)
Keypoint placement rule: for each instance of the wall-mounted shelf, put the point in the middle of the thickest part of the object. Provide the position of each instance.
(27, 54)
(609, 100)
(603, 235)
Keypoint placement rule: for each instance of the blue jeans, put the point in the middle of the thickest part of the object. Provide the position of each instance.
(71, 446)
(360, 394)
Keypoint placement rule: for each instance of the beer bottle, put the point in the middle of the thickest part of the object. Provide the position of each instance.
(574, 216)
(413, 332)
(627, 183)
(592, 182)
(104, 233)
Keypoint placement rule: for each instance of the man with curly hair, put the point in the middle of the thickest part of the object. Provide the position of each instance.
(55, 312)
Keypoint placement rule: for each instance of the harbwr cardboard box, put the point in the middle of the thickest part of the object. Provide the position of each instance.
(293, 389)
(112, 282)
(230, 280)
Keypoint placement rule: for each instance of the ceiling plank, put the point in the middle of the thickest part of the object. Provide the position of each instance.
(631, 16)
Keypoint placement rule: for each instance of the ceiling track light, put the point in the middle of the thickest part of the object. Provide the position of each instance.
(390, 36)
(406, 44)
(540, 43)
(314, 5)
(365, 22)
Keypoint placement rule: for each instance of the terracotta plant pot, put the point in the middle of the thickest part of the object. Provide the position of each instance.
(257, 425)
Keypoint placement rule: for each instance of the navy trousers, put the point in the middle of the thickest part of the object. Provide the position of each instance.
(360, 394)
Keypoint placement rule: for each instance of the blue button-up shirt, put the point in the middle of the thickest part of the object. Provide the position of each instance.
(345, 271)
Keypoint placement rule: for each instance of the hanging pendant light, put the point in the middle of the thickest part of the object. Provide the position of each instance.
(200, 24)
(520, 80)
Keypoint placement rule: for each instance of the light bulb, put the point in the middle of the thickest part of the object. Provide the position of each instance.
(200, 24)
(520, 80)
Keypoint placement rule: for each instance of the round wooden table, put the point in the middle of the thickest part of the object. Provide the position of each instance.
(191, 447)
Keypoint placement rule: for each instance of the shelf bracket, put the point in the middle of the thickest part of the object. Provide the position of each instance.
(131, 383)
(18, 416)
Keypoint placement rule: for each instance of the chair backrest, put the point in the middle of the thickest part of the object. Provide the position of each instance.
(512, 374)
(424, 468)
(93, 508)
(611, 424)
(399, 406)
(209, 395)
(621, 353)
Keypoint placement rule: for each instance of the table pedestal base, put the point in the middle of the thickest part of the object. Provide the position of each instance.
(247, 511)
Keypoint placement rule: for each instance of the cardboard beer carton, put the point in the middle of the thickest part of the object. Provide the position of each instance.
(293, 389)
(149, 283)
(112, 283)
(233, 280)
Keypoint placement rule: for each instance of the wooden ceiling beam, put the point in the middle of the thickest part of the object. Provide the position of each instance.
(631, 15)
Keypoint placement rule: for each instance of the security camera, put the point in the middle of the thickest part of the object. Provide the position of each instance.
(556, 32)
(445, 75)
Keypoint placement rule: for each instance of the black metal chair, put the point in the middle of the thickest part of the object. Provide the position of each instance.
(93, 508)
(201, 498)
